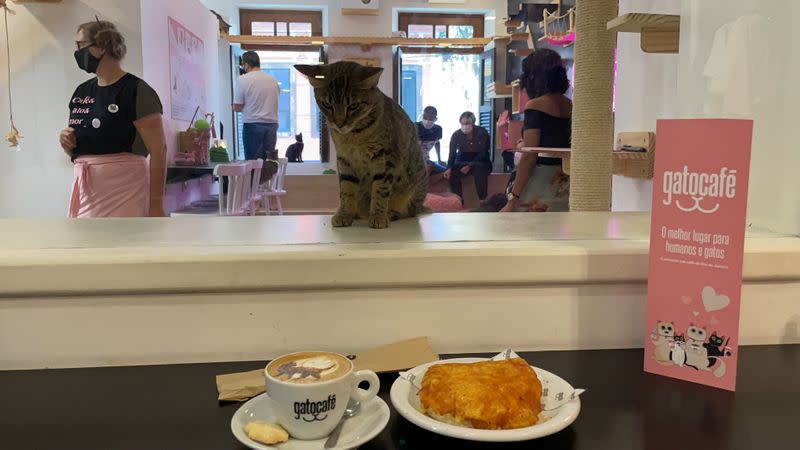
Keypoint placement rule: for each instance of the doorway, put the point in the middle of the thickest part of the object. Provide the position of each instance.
(451, 82)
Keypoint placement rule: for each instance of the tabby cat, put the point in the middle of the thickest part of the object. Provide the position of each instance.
(382, 173)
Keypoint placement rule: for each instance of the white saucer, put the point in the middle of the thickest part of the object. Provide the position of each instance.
(358, 430)
(406, 402)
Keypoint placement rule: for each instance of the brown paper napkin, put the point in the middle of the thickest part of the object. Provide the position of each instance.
(236, 387)
(388, 358)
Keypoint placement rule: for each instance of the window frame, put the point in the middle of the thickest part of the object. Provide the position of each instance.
(248, 16)
(477, 21)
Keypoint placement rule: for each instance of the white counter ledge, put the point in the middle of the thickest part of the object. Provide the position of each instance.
(151, 291)
(61, 257)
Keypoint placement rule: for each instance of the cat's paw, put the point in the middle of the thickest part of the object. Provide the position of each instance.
(379, 222)
(342, 220)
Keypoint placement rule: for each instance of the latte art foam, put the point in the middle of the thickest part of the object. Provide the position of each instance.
(303, 368)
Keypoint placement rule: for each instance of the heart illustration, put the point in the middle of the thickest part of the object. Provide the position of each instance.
(686, 300)
(713, 301)
(695, 313)
(714, 321)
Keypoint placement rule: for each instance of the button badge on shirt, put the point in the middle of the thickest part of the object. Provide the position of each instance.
(96, 122)
(113, 109)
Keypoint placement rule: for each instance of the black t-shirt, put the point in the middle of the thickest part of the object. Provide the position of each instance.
(426, 135)
(103, 116)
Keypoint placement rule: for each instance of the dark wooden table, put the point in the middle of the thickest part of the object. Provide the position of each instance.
(175, 407)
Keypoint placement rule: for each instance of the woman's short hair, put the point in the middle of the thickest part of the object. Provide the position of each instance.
(104, 35)
(469, 116)
(543, 72)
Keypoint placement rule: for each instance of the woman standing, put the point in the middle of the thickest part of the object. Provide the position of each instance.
(115, 122)
(539, 184)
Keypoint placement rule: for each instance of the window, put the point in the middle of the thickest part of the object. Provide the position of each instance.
(300, 29)
(461, 31)
(297, 110)
(441, 26)
(270, 22)
(263, 28)
(420, 31)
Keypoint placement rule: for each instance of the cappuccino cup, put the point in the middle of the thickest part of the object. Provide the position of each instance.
(309, 391)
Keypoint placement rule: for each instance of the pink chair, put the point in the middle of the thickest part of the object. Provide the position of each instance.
(254, 196)
(274, 188)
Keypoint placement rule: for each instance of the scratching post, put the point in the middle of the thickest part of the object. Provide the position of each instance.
(593, 130)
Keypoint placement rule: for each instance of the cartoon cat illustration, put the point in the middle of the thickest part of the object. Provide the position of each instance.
(677, 353)
(717, 346)
(697, 352)
(662, 337)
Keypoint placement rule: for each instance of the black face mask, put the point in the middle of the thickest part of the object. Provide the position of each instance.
(86, 61)
(242, 70)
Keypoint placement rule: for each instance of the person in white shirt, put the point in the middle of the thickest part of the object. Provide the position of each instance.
(256, 97)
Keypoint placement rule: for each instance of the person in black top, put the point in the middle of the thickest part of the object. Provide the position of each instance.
(539, 184)
(115, 124)
(469, 155)
(430, 135)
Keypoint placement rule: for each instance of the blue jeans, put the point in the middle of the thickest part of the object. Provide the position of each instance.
(259, 138)
(435, 168)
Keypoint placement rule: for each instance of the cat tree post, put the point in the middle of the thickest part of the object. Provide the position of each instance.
(593, 129)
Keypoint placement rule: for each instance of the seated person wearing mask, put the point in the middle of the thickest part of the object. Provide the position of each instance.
(429, 134)
(469, 155)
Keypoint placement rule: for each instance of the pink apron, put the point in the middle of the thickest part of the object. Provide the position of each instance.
(116, 185)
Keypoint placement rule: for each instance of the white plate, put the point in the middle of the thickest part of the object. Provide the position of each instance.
(406, 402)
(358, 430)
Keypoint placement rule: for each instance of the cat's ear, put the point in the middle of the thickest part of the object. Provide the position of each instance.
(314, 73)
(368, 77)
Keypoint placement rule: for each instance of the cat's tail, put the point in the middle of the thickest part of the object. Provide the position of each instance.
(720, 371)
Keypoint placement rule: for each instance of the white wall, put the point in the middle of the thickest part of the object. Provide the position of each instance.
(381, 25)
(156, 62)
(382, 52)
(37, 180)
(647, 90)
(757, 80)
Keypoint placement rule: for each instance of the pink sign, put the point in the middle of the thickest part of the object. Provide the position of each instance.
(187, 72)
(696, 250)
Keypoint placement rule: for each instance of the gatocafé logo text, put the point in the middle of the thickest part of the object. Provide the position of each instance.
(698, 191)
(314, 411)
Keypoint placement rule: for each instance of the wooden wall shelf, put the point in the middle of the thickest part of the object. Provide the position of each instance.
(500, 90)
(635, 164)
(355, 40)
(545, 152)
(660, 33)
(360, 12)
(521, 36)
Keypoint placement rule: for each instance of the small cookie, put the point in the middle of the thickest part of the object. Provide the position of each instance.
(266, 432)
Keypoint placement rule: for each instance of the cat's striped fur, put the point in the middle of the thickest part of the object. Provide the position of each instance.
(382, 172)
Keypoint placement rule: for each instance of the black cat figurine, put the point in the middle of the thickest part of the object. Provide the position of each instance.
(715, 346)
(295, 151)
